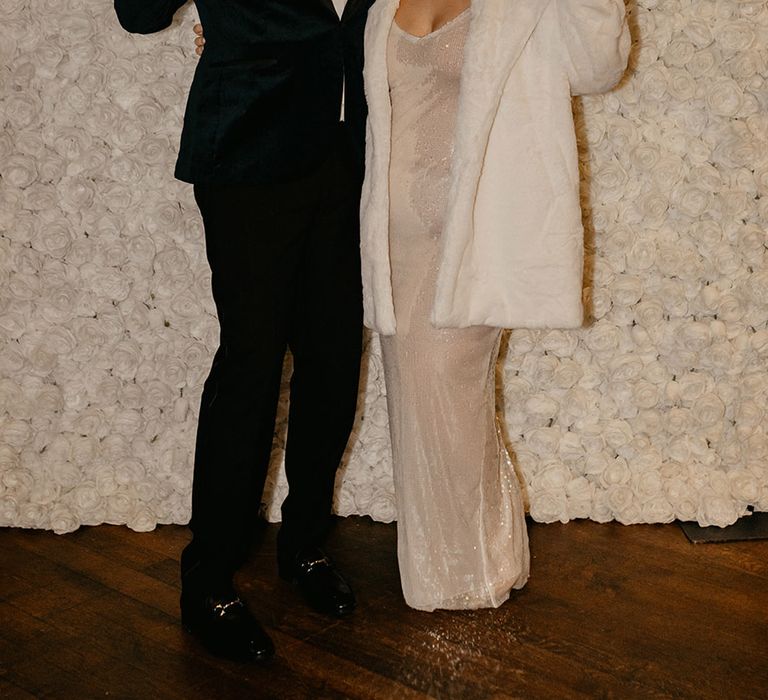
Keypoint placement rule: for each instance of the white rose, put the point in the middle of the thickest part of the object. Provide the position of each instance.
(23, 110)
(571, 448)
(128, 422)
(106, 282)
(646, 395)
(598, 301)
(679, 448)
(617, 433)
(625, 368)
(32, 515)
(142, 520)
(560, 343)
(653, 83)
(716, 510)
(678, 53)
(724, 97)
(9, 510)
(683, 498)
(657, 510)
(677, 421)
(703, 63)
(88, 504)
(673, 295)
(647, 485)
(649, 312)
(543, 441)
(551, 476)
(84, 449)
(757, 444)
(18, 482)
(627, 290)
(591, 434)
(698, 31)
(743, 485)
(128, 470)
(119, 508)
(569, 372)
(126, 356)
(652, 208)
(63, 520)
(129, 135)
(595, 464)
(610, 178)
(186, 305)
(615, 473)
(577, 404)
(549, 507)
(116, 196)
(146, 110)
(16, 433)
(735, 37)
(645, 156)
(11, 399)
(154, 150)
(682, 85)
(91, 422)
(20, 171)
(721, 358)
(158, 394)
(102, 387)
(641, 255)
(691, 201)
(180, 410)
(579, 494)
(541, 408)
(759, 342)
(731, 452)
(602, 338)
(708, 409)
(125, 169)
(647, 421)
(622, 502)
(601, 510)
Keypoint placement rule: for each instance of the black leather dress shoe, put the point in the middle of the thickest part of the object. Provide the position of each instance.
(321, 583)
(225, 626)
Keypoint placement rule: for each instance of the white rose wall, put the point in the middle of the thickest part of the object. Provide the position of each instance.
(655, 410)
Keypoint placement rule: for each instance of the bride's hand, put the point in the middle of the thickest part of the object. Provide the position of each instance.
(199, 39)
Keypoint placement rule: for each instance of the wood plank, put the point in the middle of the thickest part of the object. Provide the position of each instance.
(107, 571)
(610, 612)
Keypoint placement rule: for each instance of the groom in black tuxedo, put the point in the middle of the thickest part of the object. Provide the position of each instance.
(277, 165)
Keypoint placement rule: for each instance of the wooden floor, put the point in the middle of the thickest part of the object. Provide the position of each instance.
(610, 612)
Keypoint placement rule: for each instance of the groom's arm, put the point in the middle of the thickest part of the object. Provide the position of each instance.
(146, 16)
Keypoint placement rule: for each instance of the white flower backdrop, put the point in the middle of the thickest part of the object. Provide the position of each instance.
(654, 411)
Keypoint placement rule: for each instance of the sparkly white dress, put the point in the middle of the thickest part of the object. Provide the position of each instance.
(462, 540)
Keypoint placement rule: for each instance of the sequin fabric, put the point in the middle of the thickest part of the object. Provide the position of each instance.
(462, 540)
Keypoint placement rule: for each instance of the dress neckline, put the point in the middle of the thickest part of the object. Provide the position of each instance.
(435, 32)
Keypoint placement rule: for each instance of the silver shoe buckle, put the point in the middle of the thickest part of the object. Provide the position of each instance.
(221, 608)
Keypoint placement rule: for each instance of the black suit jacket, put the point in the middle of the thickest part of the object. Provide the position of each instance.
(264, 103)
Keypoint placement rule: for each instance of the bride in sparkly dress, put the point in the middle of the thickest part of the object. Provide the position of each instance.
(470, 224)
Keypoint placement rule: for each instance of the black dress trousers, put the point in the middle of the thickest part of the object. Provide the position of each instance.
(285, 262)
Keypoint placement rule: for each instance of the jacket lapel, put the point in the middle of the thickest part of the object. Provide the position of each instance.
(328, 4)
(354, 6)
(498, 33)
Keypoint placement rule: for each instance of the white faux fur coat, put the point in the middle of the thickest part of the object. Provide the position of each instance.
(512, 243)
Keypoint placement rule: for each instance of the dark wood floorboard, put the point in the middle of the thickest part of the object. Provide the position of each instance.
(609, 612)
